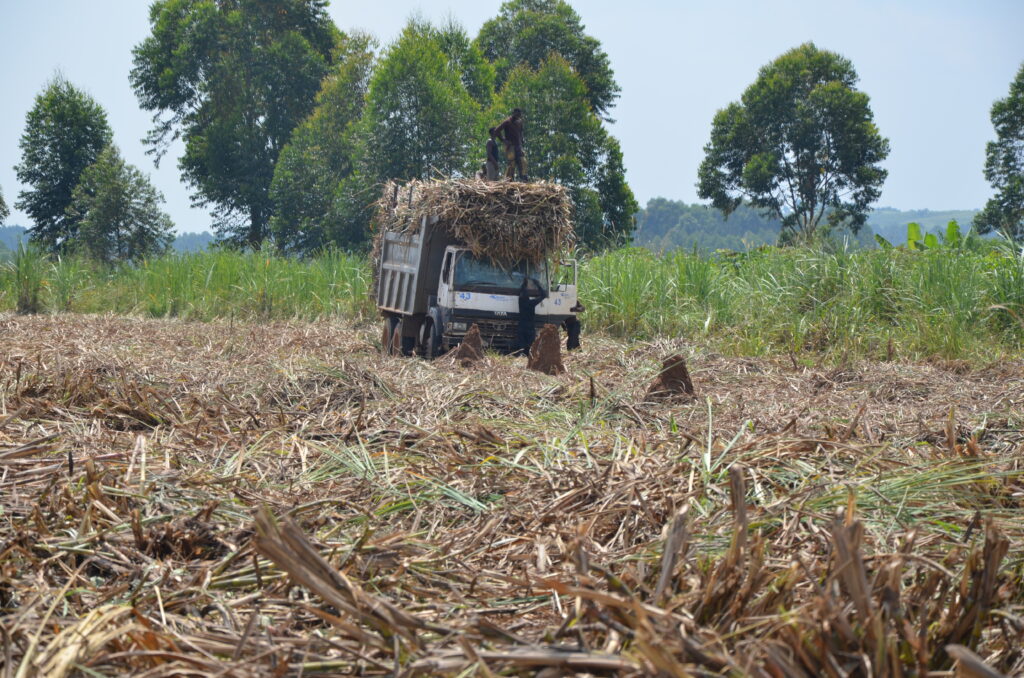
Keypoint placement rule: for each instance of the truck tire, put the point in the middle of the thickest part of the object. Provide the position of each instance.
(387, 338)
(430, 339)
(407, 345)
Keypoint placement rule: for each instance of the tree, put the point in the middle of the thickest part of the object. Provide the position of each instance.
(118, 212)
(801, 145)
(233, 80)
(618, 205)
(567, 143)
(465, 57)
(307, 193)
(420, 119)
(65, 131)
(528, 31)
(1004, 165)
(4, 211)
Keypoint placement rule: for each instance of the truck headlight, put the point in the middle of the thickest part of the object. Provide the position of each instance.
(458, 327)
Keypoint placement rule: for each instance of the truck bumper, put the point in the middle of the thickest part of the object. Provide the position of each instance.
(497, 333)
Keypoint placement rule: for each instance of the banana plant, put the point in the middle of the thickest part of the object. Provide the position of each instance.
(918, 240)
(953, 237)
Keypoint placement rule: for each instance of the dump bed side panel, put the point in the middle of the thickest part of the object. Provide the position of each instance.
(410, 266)
(399, 271)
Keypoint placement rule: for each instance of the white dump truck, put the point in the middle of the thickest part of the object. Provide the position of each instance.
(431, 288)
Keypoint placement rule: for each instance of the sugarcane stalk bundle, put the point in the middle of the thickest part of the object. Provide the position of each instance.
(503, 221)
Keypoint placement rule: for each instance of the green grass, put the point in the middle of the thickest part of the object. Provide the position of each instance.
(946, 302)
(203, 286)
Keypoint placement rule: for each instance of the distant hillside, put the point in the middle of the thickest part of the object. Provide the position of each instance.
(192, 242)
(10, 235)
(670, 224)
(184, 242)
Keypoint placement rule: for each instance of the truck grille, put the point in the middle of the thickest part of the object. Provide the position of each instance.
(497, 327)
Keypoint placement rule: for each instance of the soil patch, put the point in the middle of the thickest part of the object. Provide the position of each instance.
(546, 352)
(471, 350)
(674, 380)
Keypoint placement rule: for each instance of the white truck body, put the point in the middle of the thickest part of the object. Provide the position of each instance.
(431, 290)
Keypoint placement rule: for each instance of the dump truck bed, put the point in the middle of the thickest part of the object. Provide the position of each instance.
(410, 264)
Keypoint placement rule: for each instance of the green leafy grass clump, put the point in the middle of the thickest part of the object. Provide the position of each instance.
(948, 303)
(201, 286)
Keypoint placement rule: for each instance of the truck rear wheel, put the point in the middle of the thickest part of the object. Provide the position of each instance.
(387, 341)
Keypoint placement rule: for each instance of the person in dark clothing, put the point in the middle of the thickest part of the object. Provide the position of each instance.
(572, 331)
(529, 297)
(493, 159)
(572, 328)
(511, 132)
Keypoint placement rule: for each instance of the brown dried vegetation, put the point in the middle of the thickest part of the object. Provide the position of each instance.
(240, 500)
(507, 221)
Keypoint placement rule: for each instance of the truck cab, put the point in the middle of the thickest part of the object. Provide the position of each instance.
(473, 290)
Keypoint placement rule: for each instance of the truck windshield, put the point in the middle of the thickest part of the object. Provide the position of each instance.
(472, 273)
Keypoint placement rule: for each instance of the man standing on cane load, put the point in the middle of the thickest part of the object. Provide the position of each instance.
(510, 131)
(491, 166)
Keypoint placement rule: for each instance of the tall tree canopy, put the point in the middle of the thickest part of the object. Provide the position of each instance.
(801, 144)
(65, 131)
(528, 31)
(419, 118)
(232, 78)
(118, 212)
(1004, 165)
(465, 57)
(314, 169)
(4, 210)
(567, 143)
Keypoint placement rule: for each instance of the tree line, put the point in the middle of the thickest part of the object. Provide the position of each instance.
(665, 225)
(290, 125)
(11, 237)
(82, 194)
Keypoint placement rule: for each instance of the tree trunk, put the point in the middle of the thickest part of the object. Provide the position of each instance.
(257, 228)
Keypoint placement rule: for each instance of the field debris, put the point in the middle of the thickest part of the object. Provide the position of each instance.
(546, 352)
(673, 380)
(280, 499)
(504, 221)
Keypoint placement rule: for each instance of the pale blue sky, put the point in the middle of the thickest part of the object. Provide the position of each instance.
(931, 67)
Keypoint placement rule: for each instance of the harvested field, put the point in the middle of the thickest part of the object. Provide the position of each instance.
(281, 499)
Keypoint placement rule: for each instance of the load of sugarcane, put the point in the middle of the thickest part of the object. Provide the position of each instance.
(504, 221)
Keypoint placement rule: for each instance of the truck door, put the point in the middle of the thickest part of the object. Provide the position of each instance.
(444, 287)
